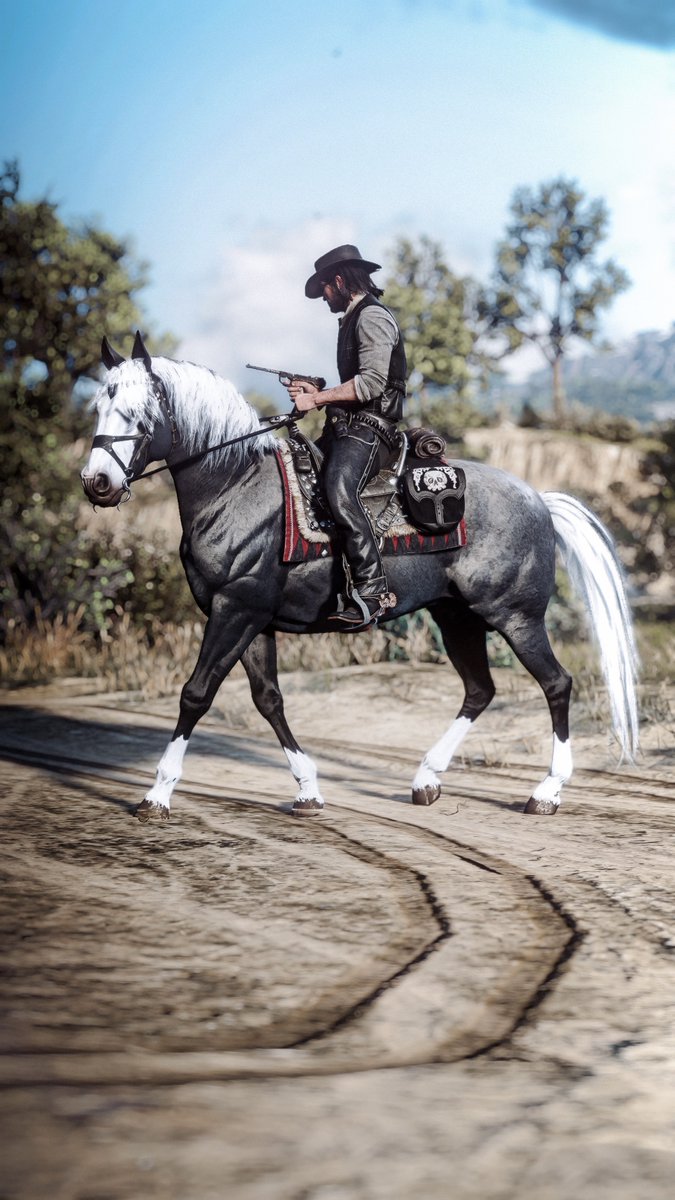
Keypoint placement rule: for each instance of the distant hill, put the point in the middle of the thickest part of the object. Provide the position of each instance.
(634, 379)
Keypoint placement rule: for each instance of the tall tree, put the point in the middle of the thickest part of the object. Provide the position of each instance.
(60, 289)
(549, 287)
(436, 310)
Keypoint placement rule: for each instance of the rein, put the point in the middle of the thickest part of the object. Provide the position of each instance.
(278, 421)
(105, 441)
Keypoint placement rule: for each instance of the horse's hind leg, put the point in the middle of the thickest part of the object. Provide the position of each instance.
(464, 638)
(260, 664)
(529, 641)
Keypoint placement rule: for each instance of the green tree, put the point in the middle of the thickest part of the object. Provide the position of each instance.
(436, 310)
(549, 287)
(60, 290)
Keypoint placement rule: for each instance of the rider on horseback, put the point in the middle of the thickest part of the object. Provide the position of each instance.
(360, 428)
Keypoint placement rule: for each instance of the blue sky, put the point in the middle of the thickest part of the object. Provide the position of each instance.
(235, 141)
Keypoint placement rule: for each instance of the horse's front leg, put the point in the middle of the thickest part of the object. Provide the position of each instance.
(227, 634)
(260, 664)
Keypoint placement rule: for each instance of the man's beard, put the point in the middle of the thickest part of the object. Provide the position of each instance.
(340, 302)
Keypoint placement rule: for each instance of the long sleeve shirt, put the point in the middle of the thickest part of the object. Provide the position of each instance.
(377, 334)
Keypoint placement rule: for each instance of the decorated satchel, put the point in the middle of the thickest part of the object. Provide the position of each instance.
(433, 493)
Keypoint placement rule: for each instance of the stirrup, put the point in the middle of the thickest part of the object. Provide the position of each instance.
(357, 615)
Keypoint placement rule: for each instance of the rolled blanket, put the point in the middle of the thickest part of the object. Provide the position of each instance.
(424, 443)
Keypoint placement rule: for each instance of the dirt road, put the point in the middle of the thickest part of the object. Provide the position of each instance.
(386, 1002)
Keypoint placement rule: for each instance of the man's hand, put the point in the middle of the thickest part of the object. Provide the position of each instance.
(304, 395)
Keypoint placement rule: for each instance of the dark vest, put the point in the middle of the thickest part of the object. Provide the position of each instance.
(390, 403)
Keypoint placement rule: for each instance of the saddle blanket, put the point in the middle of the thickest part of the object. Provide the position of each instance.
(302, 542)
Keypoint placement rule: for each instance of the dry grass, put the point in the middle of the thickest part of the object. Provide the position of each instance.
(47, 650)
(153, 663)
(319, 652)
(156, 661)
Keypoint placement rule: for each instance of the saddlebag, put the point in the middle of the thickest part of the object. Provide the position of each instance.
(433, 494)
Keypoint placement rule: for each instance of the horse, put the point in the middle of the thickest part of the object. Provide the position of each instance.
(156, 409)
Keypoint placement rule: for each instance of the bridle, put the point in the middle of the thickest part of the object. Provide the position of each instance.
(106, 441)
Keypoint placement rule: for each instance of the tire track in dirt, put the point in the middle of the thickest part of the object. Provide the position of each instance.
(361, 1052)
(505, 982)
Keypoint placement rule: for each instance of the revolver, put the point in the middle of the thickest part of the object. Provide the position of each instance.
(287, 377)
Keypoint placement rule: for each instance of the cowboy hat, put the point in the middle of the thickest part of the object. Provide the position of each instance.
(326, 267)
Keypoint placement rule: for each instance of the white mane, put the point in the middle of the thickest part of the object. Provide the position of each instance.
(207, 409)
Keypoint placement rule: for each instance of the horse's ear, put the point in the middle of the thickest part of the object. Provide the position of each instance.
(140, 350)
(109, 356)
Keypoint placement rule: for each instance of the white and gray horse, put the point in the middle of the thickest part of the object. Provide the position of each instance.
(231, 509)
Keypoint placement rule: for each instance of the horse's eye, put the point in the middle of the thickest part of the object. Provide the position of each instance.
(141, 427)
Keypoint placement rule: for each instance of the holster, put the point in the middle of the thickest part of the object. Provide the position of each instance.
(384, 429)
(344, 420)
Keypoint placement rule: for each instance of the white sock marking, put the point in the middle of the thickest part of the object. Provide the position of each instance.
(305, 775)
(440, 756)
(559, 773)
(169, 772)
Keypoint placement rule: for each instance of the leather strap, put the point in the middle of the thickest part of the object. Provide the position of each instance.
(388, 432)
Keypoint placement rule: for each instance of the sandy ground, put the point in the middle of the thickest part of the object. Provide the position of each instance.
(386, 1002)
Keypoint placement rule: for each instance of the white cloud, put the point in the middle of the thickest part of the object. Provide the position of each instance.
(642, 240)
(255, 309)
(252, 307)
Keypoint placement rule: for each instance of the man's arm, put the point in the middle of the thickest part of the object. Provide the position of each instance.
(305, 397)
(377, 335)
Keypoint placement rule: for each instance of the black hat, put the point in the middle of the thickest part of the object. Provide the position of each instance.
(341, 256)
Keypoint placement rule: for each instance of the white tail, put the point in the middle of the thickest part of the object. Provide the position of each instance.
(595, 573)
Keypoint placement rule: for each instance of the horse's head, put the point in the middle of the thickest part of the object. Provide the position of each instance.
(134, 426)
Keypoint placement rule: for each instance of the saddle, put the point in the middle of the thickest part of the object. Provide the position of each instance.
(415, 503)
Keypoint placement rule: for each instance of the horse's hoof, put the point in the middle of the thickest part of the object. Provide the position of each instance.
(147, 811)
(541, 808)
(307, 808)
(426, 795)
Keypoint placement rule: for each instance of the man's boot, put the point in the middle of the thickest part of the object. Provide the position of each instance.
(364, 607)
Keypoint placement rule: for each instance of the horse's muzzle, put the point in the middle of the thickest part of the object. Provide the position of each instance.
(99, 489)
